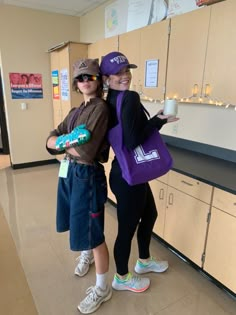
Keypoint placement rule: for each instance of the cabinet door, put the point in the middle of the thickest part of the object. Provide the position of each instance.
(63, 59)
(154, 46)
(129, 45)
(64, 64)
(187, 50)
(102, 47)
(220, 259)
(186, 224)
(220, 60)
(159, 191)
(76, 51)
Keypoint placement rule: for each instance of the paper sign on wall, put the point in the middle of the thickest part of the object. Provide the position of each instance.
(55, 85)
(64, 80)
(151, 73)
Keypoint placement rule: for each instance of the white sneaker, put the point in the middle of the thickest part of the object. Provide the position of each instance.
(96, 296)
(152, 266)
(84, 263)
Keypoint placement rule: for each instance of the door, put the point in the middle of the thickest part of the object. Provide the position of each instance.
(4, 144)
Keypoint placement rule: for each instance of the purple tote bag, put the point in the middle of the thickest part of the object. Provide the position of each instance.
(148, 161)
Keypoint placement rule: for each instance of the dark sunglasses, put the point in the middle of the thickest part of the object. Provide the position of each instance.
(87, 77)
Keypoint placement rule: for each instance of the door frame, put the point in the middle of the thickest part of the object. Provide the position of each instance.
(3, 124)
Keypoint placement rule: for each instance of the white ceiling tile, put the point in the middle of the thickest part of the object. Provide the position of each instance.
(68, 7)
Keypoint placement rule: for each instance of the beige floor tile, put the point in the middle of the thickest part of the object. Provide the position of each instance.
(28, 201)
(15, 295)
(4, 161)
(195, 304)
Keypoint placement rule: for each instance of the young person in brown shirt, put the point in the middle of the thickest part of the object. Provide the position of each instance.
(82, 188)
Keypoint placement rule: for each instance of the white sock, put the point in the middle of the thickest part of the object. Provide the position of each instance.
(87, 253)
(101, 280)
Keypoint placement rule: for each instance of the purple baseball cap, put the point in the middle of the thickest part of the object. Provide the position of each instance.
(113, 62)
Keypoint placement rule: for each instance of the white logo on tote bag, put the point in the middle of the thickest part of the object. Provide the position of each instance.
(141, 156)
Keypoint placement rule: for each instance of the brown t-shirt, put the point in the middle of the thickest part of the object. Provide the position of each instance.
(95, 115)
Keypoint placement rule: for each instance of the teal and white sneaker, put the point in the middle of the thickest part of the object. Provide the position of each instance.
(95, 297)
(151, 266)
(131, 283)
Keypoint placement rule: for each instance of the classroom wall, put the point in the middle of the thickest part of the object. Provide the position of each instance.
(202, 123)
(25, 37)
(92, 25)
(208, 124)
(24, 40)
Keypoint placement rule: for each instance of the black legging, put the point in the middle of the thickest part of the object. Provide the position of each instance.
(135, 207)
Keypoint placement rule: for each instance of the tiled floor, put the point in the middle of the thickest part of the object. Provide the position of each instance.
(4, 161)
(37, 268)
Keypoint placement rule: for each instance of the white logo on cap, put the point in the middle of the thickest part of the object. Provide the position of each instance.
(119, 59)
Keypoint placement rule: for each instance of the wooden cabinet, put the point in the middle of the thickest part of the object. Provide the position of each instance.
(202, 52)
(147, 43)
(198, 223)
(129, 45)
(187, 51)
(183, 205)
(102, 47)
(62, 59)
(186, 220)
(220, 66)
(220, 256)
(154, 46)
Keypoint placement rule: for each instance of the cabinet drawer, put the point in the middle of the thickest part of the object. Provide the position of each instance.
(164, 178)
(225, 201)
(190, 186)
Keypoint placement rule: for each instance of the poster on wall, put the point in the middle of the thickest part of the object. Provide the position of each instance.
(64, 79)
(55, 85)
(26, 85)
(116, 18)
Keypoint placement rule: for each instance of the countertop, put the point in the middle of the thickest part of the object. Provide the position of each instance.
(213, 171)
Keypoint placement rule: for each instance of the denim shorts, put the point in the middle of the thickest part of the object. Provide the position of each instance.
(80, 205)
